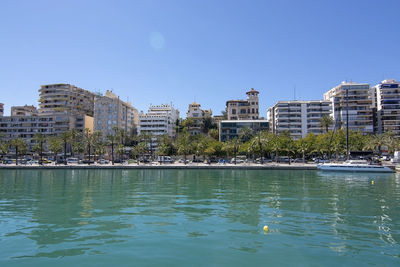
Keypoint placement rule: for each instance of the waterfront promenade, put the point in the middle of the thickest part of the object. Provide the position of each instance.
(246, 166)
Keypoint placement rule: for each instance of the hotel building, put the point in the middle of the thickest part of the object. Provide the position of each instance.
(110, 112)
(387, 101)
(243, 109)
(298, 117)
(360, 106)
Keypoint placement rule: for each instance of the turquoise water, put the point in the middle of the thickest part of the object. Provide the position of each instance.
(198, 218)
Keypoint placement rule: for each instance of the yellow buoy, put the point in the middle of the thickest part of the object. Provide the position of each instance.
(265, 228)
(372, 182)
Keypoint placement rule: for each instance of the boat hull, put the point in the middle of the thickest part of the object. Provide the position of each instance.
(353, 168)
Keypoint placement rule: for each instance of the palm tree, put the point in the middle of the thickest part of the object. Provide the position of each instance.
(65, 137)
(245, 134)
(20, 146)
(3, 146)
(55, 146)
(183, 143)
(325, 122)
(112, 139)
(40, 138)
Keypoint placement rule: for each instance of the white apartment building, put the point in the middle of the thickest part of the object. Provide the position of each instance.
(387, 102)
(158, 120)
(243, 109)
(23, 110)
(65, 98)
(360, 106)
(298, 117)
(197, 115)
(26, 127)
(110, 112)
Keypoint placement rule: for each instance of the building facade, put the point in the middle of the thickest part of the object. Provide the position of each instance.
(360, 106)
(55, 98)
(244, 109)
(387, 102)
(110, 112)
(158, 120)
(26, 127)
(23, 110)
(197, 115)
(229, 129)
(298, 117)
(1, 109)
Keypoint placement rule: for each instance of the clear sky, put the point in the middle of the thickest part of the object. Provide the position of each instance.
(178, 51)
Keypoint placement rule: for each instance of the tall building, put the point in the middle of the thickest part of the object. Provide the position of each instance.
(26, 127)
(110, 112)
(360, 106)
(23, 110)
(65, 98)
(298, 117)
(1, 109)
(159, 120)
(229, 129)
(197, 115)
(243, 109)
(387, 101)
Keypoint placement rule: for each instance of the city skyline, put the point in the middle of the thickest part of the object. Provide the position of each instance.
(155, 52)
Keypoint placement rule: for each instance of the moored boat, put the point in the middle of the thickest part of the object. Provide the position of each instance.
(354, 166)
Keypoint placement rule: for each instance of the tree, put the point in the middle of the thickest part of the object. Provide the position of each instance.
(65, 137)
(214, 133)
(55, 146)
(112, 140)
(245, 134)
(89, 140)
(20, 147)
(325, 122)
(40, 139)
(183, 144)
(3, 146)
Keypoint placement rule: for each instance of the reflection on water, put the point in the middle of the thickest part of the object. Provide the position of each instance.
(182, 216)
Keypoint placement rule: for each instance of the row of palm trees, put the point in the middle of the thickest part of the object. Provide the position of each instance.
(253, 144)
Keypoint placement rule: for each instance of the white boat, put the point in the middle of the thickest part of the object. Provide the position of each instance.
(354, 166)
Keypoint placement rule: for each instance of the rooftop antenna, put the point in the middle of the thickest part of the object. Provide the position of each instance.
(294, 92)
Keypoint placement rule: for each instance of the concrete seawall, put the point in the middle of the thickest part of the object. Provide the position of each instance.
(174, 167)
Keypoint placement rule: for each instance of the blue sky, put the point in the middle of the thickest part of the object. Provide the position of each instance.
(177, 51)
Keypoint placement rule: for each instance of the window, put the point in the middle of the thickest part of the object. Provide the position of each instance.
(233, 111)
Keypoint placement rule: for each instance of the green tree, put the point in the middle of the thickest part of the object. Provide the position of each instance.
(183, 144)
(20, 147)
(40, 139)
(325, 122)
(55, 146)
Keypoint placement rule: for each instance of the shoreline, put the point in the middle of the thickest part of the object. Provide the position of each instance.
(169, 166)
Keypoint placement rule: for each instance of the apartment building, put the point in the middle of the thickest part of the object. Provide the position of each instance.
(243, 109)
(197, 115)
(298, 117)
(229, 129)
(26, 127)
(1, 109)
(55, 98)
(159, 120)
(110, 112)
(23, 110)
(360, 106)
(387, 102)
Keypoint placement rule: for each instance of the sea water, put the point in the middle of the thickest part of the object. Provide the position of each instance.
(198, 218)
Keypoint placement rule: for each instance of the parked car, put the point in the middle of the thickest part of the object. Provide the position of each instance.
(103, 161)
(165, 159)
(72, 161)
(183, 161)
(86, 161)
(238, 160)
